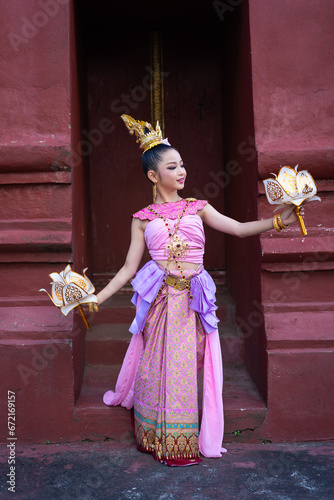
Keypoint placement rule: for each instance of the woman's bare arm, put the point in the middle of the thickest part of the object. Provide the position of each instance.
(218, 221)
(133, 258)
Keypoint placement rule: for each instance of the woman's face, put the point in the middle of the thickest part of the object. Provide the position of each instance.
(171, 171)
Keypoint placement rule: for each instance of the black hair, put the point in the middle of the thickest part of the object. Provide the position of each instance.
(153, 156)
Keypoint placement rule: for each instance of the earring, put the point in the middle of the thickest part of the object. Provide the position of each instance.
(154, 192)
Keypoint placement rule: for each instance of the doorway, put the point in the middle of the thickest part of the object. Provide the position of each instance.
(117, 62)
(207, 104)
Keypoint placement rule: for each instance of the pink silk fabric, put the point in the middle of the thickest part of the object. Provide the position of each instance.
(212, 424)
(171, 210)
(166, 385)
(190, 230)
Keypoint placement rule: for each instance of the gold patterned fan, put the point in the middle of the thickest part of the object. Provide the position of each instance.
(70, 290)
(291, 187)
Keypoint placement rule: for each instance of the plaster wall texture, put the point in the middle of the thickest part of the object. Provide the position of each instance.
(292, 45)
(39, 347)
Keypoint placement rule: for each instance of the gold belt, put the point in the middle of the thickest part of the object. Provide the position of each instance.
(179, 283)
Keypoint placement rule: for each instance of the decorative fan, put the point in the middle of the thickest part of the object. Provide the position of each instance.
(291, 187)
(70, 290)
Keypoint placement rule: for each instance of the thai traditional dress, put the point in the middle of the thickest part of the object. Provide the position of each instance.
(174, 335)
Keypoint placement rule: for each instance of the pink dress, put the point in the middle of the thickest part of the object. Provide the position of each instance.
(174, 335)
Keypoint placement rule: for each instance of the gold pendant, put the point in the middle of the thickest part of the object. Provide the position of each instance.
(176, 246)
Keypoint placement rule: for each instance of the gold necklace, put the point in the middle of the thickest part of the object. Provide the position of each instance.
(176, 246)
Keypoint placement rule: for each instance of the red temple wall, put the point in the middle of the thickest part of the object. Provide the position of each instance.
(280, 95)
(293, 72)
(40, 349)
(293, 94)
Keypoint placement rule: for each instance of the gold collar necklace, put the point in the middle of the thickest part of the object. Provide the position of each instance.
(176, 246)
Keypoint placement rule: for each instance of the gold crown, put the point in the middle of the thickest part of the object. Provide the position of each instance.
(146, 135)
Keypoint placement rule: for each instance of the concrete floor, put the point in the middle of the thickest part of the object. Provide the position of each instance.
(109, 470)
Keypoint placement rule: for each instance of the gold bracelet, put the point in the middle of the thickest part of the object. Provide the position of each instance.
(275, 223)
(281, 223)
(93, 307)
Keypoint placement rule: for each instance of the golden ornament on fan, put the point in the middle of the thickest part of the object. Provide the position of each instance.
(291, 187)
(70, 290)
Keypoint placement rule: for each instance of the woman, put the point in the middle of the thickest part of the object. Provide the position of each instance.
(175, 328)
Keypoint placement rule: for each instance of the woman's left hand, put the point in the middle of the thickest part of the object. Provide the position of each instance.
(289, 215)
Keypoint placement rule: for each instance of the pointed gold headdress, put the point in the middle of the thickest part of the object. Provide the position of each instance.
(146, 135)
